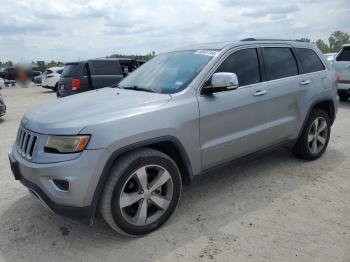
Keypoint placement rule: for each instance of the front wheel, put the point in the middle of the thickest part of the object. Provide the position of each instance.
(141, 193)
(315, 136)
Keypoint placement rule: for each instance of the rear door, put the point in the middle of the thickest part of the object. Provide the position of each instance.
(104, 73)
(342, 66)
(286, 90)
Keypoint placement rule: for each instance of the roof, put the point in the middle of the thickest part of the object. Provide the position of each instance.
(346, 45)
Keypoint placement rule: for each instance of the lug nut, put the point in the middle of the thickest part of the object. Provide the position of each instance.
(141, 192)
(141, 200)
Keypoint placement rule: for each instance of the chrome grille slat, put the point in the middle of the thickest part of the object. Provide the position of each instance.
(25, 142)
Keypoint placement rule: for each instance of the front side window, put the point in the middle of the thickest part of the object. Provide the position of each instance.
(279, 62)
(309, 60)
(245, 64)
(344, 55)
(168, 73)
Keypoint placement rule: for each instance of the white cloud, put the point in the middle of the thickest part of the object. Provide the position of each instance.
(68, 30)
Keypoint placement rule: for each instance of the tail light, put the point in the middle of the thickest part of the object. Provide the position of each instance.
(337, 78)
(75, 84)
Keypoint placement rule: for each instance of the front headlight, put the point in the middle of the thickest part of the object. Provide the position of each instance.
(66, 144)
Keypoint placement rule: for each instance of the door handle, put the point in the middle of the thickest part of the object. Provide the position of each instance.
(305, 82)
(260, 93)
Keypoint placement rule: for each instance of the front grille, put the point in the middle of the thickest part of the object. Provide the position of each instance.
(25, 142)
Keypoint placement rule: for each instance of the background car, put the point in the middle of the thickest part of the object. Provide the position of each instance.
(330, 57)
(51, 77)
(37, 79)
(2, 83)
(78, 77)
(342, 66)
(2, 106)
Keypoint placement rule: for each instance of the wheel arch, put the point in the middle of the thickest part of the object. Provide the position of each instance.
(326, 104)
(169, 145)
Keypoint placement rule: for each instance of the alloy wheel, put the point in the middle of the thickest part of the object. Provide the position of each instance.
(146, 195)
(317, 136)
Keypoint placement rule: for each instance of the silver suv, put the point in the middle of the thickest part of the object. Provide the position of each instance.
(342, 66)
(129, 151)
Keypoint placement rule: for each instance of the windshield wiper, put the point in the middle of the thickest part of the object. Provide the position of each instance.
(137, 88)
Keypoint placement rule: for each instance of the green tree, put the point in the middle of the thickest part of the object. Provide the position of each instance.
(322, 46)
(337, 40)
(307, 40)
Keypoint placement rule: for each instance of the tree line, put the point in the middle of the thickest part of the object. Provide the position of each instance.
(334, 44)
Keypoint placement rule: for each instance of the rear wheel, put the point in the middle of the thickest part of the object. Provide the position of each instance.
(141, 193)
(315, 137)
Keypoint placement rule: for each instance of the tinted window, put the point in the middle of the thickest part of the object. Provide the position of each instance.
(344, 55)
(71, 70)
(309, 60)
(245, 64)
(48, 72)
(279, 62)
(105, 68)
(60, 71)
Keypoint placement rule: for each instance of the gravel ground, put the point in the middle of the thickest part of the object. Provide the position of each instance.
(272, 208)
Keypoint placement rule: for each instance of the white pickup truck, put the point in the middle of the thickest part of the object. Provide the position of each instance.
(342, 66)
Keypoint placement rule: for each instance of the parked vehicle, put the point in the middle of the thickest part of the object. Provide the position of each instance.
(342, 66)
(37, 79)
(2, 83)
(51, 77)
(87, 75)
(127, 151)
(2, 106)
(330, 57)
(36, 76)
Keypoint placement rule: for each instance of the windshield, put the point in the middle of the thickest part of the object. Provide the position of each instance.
(168, 73)
(70, 70)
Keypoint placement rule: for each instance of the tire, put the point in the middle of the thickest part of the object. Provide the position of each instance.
(305, 146)
(344, 97)
(126, 218)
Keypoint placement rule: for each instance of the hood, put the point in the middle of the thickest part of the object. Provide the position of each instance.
(71, 114)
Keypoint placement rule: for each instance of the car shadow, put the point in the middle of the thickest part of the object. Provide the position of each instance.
(215, 200)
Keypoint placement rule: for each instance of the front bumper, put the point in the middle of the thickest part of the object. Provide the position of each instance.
(83, 174)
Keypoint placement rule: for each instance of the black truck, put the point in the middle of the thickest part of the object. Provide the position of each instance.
(78, 77)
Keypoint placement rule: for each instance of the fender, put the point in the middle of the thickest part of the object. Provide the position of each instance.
(320, 100)
(105, 173)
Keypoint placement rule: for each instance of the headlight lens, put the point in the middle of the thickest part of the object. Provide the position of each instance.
(66, 144)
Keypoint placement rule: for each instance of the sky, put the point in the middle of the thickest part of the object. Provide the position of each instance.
(68, 30)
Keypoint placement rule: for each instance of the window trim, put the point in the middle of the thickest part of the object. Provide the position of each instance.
(301, 66)
(295, 58)
(223, 58)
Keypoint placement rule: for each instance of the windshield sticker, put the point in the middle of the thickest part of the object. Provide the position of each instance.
(206, 52)
(178, 83)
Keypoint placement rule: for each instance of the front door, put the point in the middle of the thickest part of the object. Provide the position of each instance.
(235, 123)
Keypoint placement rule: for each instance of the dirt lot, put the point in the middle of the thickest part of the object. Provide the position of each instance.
(274, 208)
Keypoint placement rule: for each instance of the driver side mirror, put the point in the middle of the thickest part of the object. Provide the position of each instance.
(221, 82)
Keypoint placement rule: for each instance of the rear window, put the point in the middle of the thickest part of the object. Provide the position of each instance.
(47, 72)
(105, 68)
(344, 55)
(279, 62)
(71, 70)
(309, 60)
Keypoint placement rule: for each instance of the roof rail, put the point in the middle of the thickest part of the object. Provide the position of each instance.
(266, 39)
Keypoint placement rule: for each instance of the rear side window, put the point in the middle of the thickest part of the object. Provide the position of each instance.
(344, 55)
(309, 60)
(106, 68)
(245, 64)
(279, 62)
(47, 72)
(71, 70)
